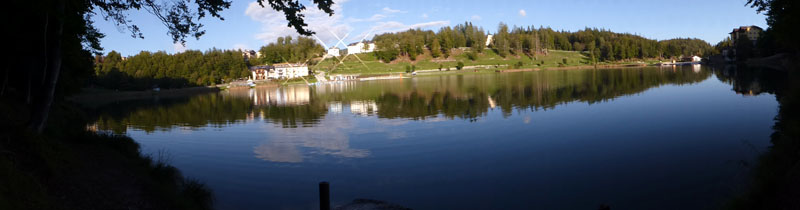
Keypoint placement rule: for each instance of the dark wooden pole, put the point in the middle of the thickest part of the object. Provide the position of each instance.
(324, 196)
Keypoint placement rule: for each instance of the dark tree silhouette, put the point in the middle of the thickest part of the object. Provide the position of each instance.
(53, 38)
(783, 17)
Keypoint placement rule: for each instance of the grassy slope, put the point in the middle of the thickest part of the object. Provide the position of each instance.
(372, 65)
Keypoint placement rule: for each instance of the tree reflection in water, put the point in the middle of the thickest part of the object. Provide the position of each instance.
(294, 113)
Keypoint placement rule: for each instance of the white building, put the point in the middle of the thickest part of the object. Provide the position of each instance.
(261, 72)
(358, 47)
(279, 71)
(333, 52)
(696, 58)
(488, 39)
(289, 70)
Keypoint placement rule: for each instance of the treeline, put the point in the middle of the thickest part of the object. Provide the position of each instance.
(415, 41)
(601, 44)
(147, 70)
(286, 49)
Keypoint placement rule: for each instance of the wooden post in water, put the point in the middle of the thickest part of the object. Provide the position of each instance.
(324, 196)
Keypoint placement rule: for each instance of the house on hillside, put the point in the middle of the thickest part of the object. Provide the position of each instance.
(333, 52)
(248, 54)
(751, 32)
(278, 71)
(489, 39)
(290, 70)
(359, 47)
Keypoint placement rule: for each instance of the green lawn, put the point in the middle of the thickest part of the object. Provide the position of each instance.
(371, 65)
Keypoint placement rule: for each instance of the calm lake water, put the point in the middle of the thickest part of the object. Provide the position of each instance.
(638, 138)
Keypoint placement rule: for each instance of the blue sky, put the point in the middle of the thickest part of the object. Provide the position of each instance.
(249, 26)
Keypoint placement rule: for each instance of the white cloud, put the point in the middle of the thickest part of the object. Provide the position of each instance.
(424, 15)
(375, 17)
(390, 10)
(394, 26)
(476, 17)
(274, 24)
(178, 47)
(522, 13)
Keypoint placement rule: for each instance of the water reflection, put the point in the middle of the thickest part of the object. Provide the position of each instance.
(285, 145)
(486, 137)
(281, 96)
(452, 96)
(750, 82)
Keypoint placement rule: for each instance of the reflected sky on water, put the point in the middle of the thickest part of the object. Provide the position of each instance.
(638, 138)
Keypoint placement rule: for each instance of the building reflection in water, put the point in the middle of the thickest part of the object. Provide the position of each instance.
(696, 68)
(363, 108)
(335, 107)
(281, 96)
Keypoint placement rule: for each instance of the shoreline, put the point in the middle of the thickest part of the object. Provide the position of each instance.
(95, 97)
(495, 70)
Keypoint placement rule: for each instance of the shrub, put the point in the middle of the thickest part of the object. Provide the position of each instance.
(472, 56)
(564, 60)
(440, 67)
(408, 69)
(460, 65)
(386, 55)
(518, 64)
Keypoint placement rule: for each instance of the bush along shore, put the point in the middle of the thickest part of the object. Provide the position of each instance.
(70, 166)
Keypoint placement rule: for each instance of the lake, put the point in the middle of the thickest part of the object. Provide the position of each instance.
(633, 138)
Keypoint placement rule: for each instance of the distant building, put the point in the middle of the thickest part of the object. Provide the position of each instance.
(290, 70)
(692, 59)
(279, 71)
(489, 39)
(751, 32)
(248, 54)
(358, 47)
(333, 52)
(261, 72)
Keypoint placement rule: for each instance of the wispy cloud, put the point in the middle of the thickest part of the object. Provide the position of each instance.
(373, 18)
(390, 10)
(424, 15)
(394, 26)
(274, 25)
(476, 17)
(523, 13)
